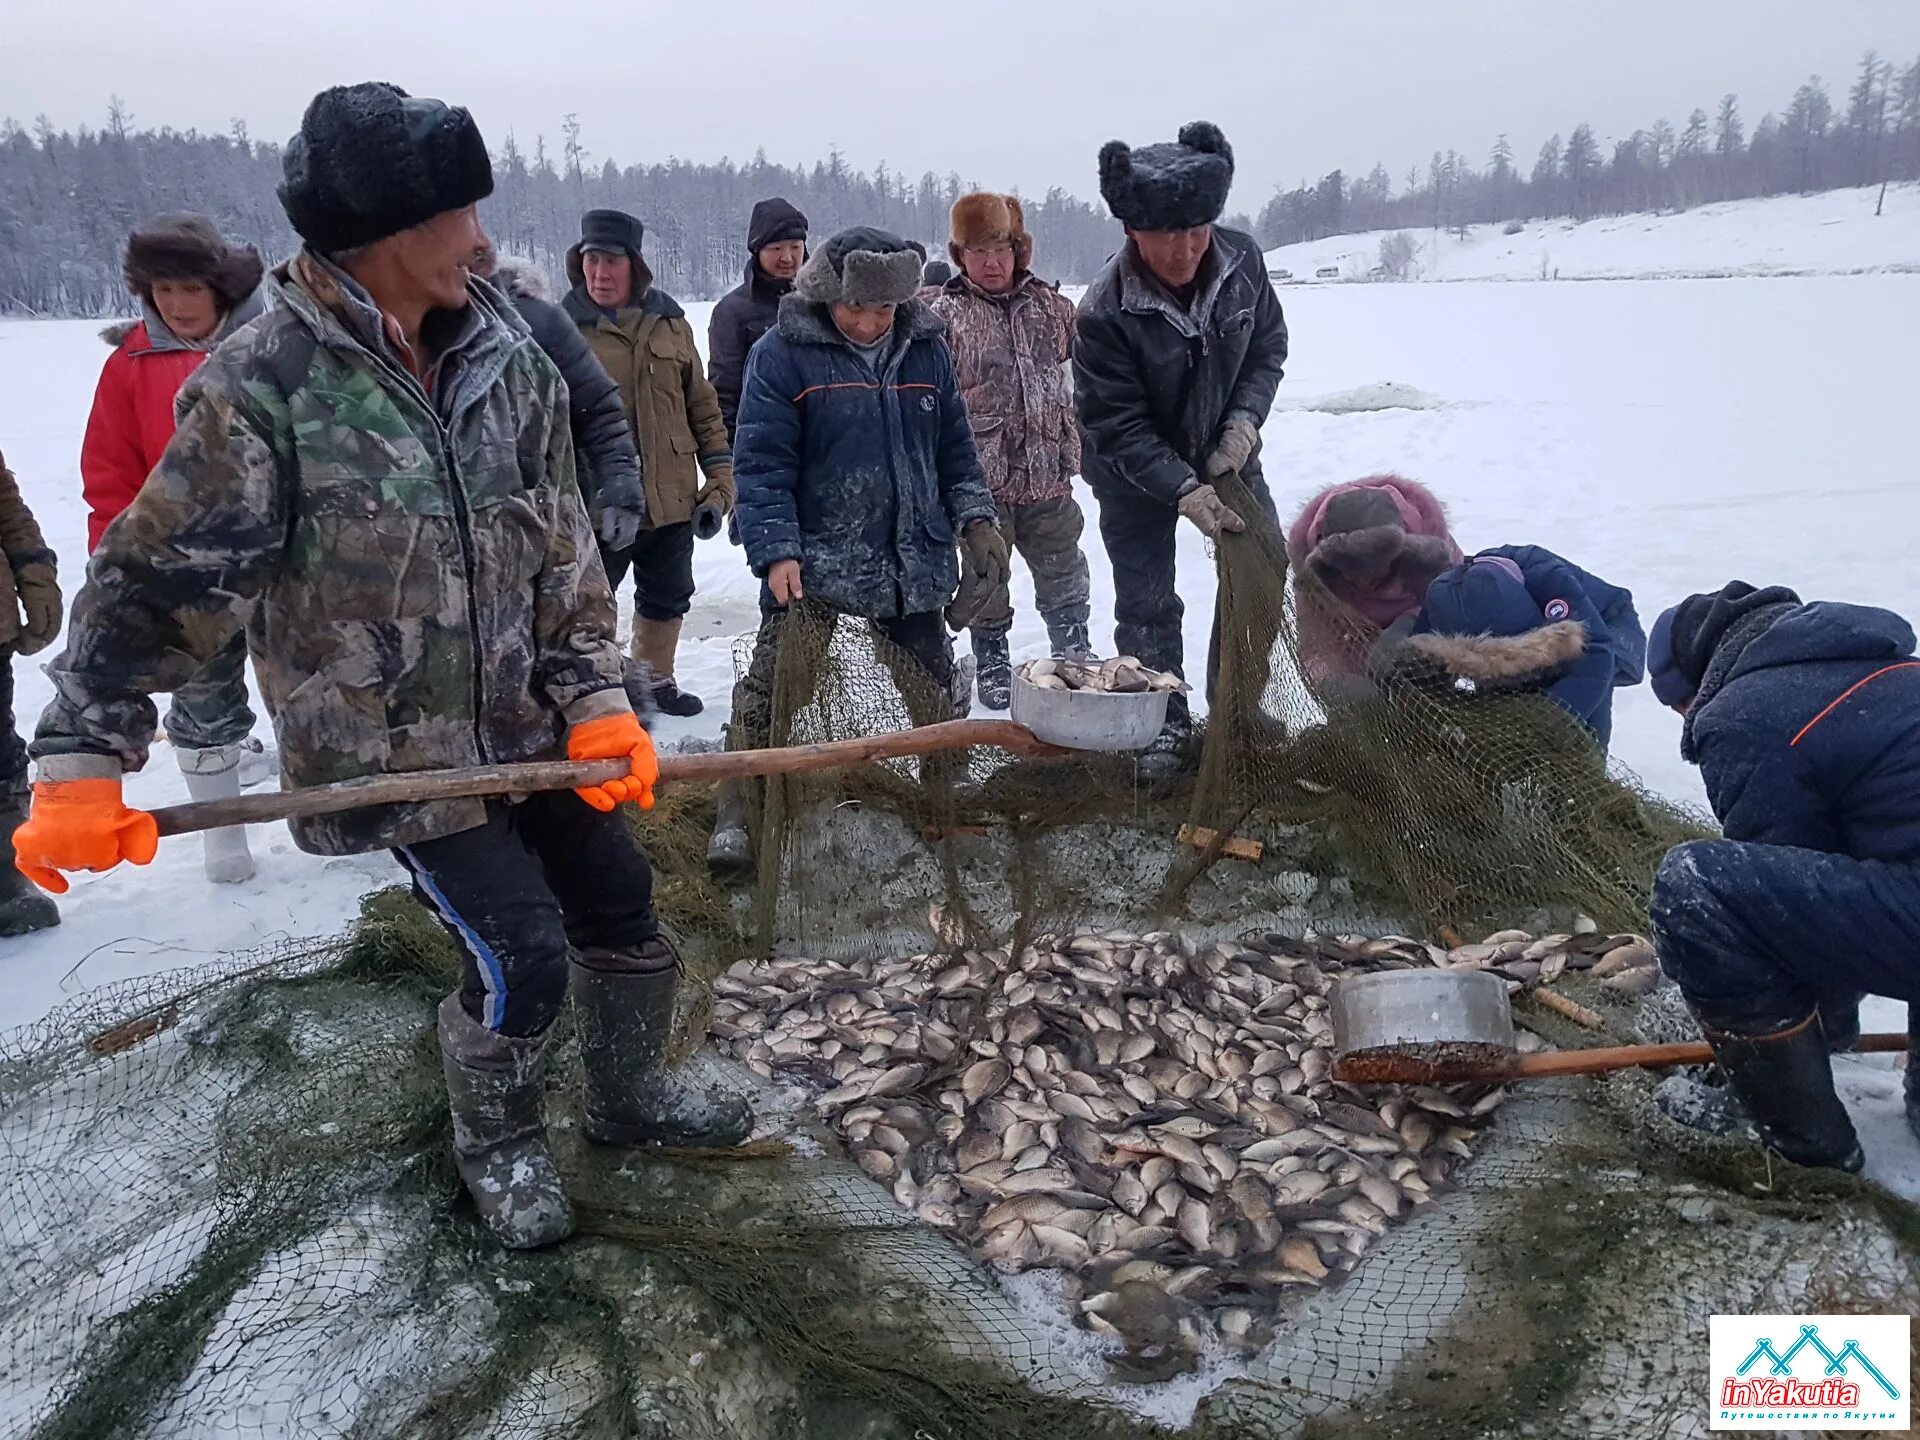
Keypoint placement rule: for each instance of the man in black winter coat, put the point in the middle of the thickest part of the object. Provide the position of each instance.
(776, 249)
(605, 461)
(1805, 723)
(1178, 348)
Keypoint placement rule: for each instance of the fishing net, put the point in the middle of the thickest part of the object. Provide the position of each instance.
(227, 1204)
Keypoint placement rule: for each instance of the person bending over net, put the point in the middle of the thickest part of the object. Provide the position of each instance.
(374, 485)
(1362, 555)
(857, 470)
(1805, 722)
(1519, 617)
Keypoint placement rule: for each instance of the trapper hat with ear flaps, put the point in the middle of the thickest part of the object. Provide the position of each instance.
(1168, 187)
(984, 218)
(189, 247)
(371, 160)
(860, 266)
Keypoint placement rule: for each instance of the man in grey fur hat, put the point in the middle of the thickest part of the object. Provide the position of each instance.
(857, 474)
(1178, 349)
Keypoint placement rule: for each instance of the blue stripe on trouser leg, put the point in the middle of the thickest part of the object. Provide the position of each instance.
(493, 978)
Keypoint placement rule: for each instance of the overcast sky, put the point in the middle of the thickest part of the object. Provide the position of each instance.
(1009, 93)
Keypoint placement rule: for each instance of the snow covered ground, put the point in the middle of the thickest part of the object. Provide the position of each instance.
(1832, 233)
(1668, 435)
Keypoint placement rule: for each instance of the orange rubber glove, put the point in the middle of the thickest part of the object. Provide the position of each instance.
(81, 825)
(613, 737)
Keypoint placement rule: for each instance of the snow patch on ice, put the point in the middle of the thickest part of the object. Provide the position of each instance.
(1366, 400)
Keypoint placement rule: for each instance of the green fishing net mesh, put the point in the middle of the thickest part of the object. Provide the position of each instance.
(227, 1203)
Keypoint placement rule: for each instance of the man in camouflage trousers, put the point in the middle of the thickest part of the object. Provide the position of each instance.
(1011, 334)
(376, 482)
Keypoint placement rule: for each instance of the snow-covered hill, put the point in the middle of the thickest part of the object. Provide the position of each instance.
(1835, 233)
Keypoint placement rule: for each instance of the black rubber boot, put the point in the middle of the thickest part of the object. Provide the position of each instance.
(730, 850)
(670, 699)
(1840, 1021)
(500, 1130)
(24, 906)
(1168, 757)
(623, 1008)
(1069, 641)
(1785, 1080)
(993, 670)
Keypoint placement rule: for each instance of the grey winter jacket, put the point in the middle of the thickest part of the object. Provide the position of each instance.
(605, 460)
(1156, 382)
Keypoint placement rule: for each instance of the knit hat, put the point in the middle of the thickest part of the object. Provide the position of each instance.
(1683, 640)
(984, 218)
(773, 221)
(371, 161)
(938, 272)
(190, 247)
(860, 266)
(1168, 187)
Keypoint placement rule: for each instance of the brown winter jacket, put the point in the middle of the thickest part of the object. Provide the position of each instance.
(1010, 353)
(648, 349)
(25, 561)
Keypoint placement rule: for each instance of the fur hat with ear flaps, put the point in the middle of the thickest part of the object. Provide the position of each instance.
(1168, 187)
(984, 218)
(190, 247)
(860, 266)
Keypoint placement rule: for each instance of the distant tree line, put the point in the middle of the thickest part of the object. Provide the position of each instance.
(67, 201)
(1811, 145)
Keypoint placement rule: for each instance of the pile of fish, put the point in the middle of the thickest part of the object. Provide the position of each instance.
(1153, 1117)
(1123, 675)
(1623, 964)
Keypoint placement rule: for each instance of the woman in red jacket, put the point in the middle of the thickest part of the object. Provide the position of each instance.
(194, 290)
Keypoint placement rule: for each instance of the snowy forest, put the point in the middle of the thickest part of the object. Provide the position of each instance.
(1810, 145)
(68, 199)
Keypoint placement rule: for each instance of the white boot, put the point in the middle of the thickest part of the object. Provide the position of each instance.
(215, 775)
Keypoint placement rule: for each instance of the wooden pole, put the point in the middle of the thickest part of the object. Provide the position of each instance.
(544, 775)
(1601, 1060)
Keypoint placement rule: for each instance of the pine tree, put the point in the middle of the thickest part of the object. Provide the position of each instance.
(1867, 116)
(1581, 161)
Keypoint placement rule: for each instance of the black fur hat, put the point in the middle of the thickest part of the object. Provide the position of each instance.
(190, 247)
(371, 161)
(1168, 187)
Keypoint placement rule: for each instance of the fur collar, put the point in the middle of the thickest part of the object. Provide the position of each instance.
(805, 323)
(1504, 659)
(519, 279)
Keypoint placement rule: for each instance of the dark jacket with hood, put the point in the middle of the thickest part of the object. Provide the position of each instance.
(1807, 732)
(603, 451)
(1155, 381)
(864, 479)
(648, 350)
(752, 308)
(1518, 617)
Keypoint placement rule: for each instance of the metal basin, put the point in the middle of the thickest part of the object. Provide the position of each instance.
(1404, 1009)
(1089, 719)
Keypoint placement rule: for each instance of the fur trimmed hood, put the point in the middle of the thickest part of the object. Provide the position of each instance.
(984, 218)
(519, 279)
(189, 247)
(1504, 659)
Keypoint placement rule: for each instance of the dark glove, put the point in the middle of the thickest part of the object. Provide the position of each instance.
(1208, 511)
(707, 518)
(38, 587)
(983, 573)
(618, 526)
(1230, 452)
(733, 527)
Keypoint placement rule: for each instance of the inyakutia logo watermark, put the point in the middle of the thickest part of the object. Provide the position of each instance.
(1811, 1372)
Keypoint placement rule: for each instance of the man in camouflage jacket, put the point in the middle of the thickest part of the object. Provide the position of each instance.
(1011, 334)
(376, 482)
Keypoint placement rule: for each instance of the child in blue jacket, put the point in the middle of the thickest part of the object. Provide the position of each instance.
(1518, 617)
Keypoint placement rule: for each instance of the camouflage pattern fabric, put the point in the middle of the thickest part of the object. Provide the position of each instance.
(416, 577)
